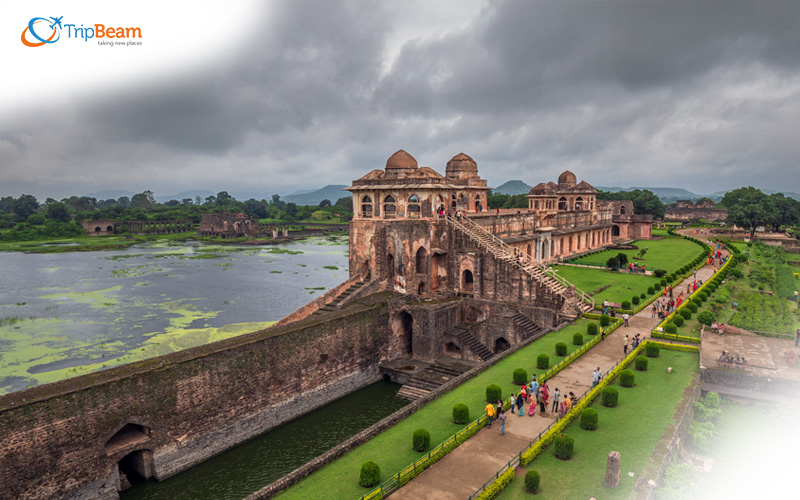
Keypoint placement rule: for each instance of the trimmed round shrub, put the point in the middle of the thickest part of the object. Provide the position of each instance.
(670, 278)
(370, 474)
(461, 413)
(642, 295)
(577, 339)
(626, 304)
(561, 349)
(670, 328)
(520, 376)
(493, 393)
(564, 447)
(421, 440)
(640, 363)
(635, 300)
(696, 301)
(622, 258)
(692, 307)
(651, 350)
(663, 282)
(532, 480)
(706, 318)
(678, 320)
(686, 313)
(612, 263)
(591, 329)
(660, 273)
(650, 290)
(543, 361)
(609, 397)
(605, 320)
(589, 419)
(627, 378)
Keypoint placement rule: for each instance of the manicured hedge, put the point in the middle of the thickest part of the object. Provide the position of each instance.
(635, 300)
(577, 339)
(370, 474)
(461, 414)
(640, 363)
(609, 397)
(589, 419)
(591, 329)
(625, 304)
(543, 360)
(493, 393)
(678, 320)
(652, 350)
(605, 320)
(687, 314)
(627, 378)
(564, 448)
(520, 376)
(706, 318)
(532, 480)
(421, 440)
(561, 349)
(670, 328)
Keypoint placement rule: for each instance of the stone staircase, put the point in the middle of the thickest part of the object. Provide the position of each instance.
(331, 306)
(527, 325)
(576, 301)
(469, 341)
(431, 377)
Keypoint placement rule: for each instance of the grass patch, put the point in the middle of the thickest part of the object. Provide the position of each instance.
(335, 268)
(669, 254)
(392, 448)
(634, 428)
(624, 285)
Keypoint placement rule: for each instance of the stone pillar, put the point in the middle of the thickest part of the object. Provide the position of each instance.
(613, 470)
(285, 233)
(274, 232)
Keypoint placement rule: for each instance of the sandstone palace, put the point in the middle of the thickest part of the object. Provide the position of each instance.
(428, 234)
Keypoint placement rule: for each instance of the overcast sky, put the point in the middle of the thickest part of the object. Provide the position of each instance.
(278, 96)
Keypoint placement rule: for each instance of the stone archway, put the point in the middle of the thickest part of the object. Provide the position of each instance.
(467, 280)
(422, 261)
(390, 265)
(135, 467)
(501, 345)
(421, 288)
(615, 230)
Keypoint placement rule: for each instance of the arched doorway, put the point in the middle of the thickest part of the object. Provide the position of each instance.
(389, 207)
(97, 229)
(466, 281)
(421, 289)
(615, 230)
(622, 210)
(390, 265)
(404, 328)
(451, 348)
(501, 345)
(135, 467)
(422, 261)
(562, 203)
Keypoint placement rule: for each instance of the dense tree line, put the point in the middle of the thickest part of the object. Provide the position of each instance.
(644, 201)
(30, 219)
(750, 208)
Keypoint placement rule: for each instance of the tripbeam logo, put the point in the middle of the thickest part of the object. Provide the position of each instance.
(39, 27)
(39, 23)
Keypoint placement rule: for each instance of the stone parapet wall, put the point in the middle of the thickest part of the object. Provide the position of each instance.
(194, 403)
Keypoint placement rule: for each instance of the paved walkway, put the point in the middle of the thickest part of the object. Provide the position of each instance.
(459, 474)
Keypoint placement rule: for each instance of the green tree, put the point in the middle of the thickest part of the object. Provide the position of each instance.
(344, 204)
(326, 203)
(644, 201)
(143, 200)
(749, 207)
(58, 212)
(223, 198)
(788, 211)
(25, 206)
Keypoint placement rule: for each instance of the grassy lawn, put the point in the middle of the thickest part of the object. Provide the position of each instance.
(669, 254)
(633, 428)
(624, 285)
(660, 232)
(392, 448)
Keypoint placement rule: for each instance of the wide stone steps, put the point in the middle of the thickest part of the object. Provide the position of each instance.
(429, 379)
(526, 324)
(331, 306)
(470, 342)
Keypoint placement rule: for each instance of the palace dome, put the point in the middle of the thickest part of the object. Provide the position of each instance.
(401, 160)
(567, 179)
(461, 166)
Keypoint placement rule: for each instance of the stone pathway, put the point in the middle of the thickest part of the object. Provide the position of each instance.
(468, 467)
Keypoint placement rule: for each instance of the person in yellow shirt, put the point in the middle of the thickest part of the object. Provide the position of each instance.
(490, 410)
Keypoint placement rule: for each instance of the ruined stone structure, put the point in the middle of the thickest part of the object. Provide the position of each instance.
(229, 225)
(158, 226)
(99, 227)
(405, 233)
(627, 225)
(683, 210)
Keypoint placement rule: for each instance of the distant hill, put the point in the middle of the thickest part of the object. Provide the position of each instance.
(331, 193)
(512, 187)
(183, 194)
(110, 194)
(789, 194)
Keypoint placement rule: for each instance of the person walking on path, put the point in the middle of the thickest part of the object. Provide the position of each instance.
(602, 332)
(795, 295)
(625, 318)
(489, 414)
(595, 376)
(625, 346)
(797, 338)
(542, 402)
(695, 274)
(556, 397)
(502, 419)
(513, 402)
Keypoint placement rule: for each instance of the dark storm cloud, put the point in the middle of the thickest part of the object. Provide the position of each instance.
(623, 93)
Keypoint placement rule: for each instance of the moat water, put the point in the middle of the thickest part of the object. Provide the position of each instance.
(242, 470)
(65, 314)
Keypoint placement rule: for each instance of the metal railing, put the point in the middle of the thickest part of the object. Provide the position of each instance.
(470, 227)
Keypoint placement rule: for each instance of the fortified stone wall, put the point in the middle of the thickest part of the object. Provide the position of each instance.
(710, 214)
(739, 379)
(99, 227)
(65, 440)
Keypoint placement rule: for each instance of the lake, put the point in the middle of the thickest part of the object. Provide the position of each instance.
(65, 314)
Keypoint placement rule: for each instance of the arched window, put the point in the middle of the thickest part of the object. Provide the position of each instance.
(579, 203)
(622, 210)
(478, 205)
(422, 261)
(453, 202)
(413, 207)
(389, 207)
(366, 207)
(440, 204)
(562, 203)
